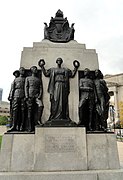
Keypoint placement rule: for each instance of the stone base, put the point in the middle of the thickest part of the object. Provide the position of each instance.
(74, 175)
(102, 151)
(58, 149)
(49, 149)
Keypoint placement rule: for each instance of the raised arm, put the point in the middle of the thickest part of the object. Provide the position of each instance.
(41, 63)
(76, 65)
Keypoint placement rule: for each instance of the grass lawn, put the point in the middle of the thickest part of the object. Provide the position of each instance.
(0, 140)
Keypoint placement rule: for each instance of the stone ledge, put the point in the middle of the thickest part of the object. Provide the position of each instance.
(69, 175)
(48, 44)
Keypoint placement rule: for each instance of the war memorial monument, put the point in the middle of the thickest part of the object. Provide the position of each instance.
(59, 108)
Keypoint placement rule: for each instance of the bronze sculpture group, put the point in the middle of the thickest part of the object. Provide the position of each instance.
(26, 94)
(26, 98)
(94, 101)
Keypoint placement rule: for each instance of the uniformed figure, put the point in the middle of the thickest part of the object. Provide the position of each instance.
(87, 98)
(102, 101)
(17, 95)
(16, 74)
(33, 93)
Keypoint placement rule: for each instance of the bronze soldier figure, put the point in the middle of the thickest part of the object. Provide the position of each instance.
(87, 100)
(33, 93)
(10, 98)
(102, 101)
(17, 96)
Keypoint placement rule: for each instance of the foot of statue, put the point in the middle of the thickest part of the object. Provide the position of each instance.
(90, 128)
(30, 130)
(12, 129)
(39, 123)
(103, 129)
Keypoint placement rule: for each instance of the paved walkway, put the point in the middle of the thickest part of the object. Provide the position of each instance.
(3, 129)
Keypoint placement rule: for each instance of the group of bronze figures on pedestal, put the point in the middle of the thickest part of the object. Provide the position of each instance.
(26, 94)
(26, 105)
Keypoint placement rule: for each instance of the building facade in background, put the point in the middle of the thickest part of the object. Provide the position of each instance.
(115, 85)
(4, 108)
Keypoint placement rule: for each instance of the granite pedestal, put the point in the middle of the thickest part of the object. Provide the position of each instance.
(102, 151)
(49, 149)
(59, 153)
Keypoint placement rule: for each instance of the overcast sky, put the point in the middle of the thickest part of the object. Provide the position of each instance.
(98, 24)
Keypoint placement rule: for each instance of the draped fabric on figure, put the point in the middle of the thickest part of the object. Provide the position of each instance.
(58, 89)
